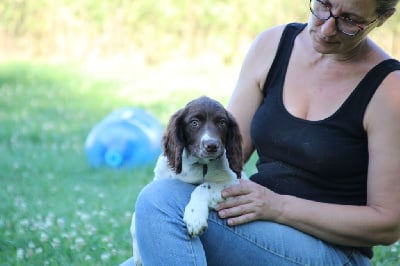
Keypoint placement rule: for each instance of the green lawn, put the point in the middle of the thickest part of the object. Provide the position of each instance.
(54, 208)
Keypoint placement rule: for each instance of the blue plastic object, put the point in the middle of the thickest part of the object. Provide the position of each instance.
(128, 137)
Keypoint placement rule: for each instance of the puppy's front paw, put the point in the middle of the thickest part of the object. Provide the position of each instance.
(196, 220)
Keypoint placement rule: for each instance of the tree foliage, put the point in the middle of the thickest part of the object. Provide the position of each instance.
(153, 30)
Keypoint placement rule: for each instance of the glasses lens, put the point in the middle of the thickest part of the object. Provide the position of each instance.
(320, 10)
(347, 27)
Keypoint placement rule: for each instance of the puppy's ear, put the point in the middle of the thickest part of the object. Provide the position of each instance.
(234, 147)
(173, 141)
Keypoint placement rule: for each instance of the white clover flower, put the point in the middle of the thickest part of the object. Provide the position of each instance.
(80, 242)
(24, 222)
(35, 225)
(39, 250)
(20, 254)
(81, 201)
(55, 242)
(31, 245)
(47, 224)
(84, 216)
(16, 165)
(88, 257)
(20, 203)
(39, 203)
(73, 234)
(114, 222)
(105, 256)
(90, 230)
(44, 237)
(60, 222)
(51, 215)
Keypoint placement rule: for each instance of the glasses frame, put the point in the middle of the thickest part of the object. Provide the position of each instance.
(361, 27)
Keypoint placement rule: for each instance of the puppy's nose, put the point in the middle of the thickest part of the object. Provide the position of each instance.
(211, 145)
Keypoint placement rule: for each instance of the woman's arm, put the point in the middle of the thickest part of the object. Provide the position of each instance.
(248, 95)
(376, 223)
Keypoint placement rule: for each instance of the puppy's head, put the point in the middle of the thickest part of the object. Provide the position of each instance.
(205, 130)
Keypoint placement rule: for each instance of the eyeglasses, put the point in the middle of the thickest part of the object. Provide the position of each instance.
(343, 24)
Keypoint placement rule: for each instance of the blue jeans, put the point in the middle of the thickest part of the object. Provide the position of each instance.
(163, 239)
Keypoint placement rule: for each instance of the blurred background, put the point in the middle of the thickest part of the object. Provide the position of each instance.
(65, 65)
(147, 32)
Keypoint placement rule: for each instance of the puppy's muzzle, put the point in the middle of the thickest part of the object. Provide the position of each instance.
(211, 149)
(211, 145)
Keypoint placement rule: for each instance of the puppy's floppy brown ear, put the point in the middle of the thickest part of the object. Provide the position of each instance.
(234, 147)
(173, 141)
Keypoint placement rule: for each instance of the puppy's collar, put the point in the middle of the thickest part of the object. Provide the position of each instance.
(205, 169)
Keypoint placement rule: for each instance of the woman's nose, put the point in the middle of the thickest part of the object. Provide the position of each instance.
(329, 28)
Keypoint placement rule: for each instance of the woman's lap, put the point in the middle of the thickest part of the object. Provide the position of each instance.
(163, 239)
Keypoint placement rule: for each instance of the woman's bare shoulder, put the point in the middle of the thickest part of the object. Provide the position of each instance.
(384, 108)
(268, 39)
(261, 54)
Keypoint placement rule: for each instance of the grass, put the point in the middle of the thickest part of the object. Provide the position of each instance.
(54, 208)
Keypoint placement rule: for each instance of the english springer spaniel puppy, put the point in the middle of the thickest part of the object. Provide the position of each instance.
(202, 145)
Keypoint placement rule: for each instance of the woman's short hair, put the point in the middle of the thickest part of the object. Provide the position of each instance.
(382, 6)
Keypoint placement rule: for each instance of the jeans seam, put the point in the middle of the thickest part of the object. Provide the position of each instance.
(193, 254)
(349, 256)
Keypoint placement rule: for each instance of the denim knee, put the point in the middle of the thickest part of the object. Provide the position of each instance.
(165, 195)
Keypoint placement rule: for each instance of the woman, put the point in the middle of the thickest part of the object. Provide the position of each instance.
(320, 104)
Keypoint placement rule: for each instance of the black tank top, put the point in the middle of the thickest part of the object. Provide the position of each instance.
(325, 160)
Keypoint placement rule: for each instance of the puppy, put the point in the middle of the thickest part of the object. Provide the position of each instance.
(202, 145)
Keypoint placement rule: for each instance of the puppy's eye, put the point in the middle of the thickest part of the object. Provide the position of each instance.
(222, 123)
(194, 123)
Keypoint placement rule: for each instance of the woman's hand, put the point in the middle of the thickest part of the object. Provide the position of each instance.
(248, 201)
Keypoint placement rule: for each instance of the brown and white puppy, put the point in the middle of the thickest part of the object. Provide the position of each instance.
(202, 145)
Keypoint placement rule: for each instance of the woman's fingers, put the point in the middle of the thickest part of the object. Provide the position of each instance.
(236, 190)
(247, 202)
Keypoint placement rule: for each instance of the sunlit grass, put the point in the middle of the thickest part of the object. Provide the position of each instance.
(55, 209)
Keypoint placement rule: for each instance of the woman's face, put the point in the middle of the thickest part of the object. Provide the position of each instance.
(325, 36)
